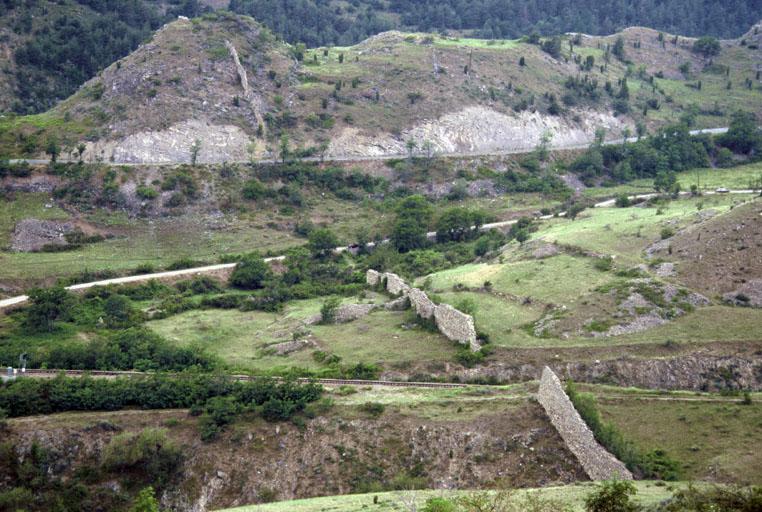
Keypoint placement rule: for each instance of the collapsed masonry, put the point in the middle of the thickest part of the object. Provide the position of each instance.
(453, 324)
(595, 460)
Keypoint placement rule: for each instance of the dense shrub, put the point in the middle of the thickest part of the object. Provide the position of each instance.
(47, 306)
(148, 455)
(612, 496)
(250, 273)
(24, 397)
(135, 348)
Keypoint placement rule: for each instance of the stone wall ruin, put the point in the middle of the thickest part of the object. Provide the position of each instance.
(453, 324)
(595, 460)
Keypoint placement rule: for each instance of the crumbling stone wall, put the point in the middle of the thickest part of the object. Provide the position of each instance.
(395, 284)
(453, 324)
(423, 306)
(372, 277)
(596, 461)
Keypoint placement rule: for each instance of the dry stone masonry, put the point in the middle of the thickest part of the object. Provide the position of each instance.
(423, 306)
(395, 285)
(596, 461)
(456, 325)
(453, 324)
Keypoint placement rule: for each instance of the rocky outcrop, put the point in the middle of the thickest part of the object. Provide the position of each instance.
(479, 129)
(351, 312)
(749, 294)
(32, 234)
(597, 462)
(697, 372)
(219, 143)
(288, 347)
(399, 304)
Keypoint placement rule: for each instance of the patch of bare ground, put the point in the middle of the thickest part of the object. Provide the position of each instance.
(720, 255)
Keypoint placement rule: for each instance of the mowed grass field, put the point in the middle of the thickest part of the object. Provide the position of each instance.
(649, 493)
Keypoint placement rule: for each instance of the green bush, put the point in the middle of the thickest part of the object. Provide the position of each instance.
(374, 409)
(604, 264)
(439, 505)
(47, 306)
(612, 496)
(711, 499)
(328, 310)
(622, 201)
(23, 397)
(147, 193)
(148, 455)
(254, 190)
(250, 273)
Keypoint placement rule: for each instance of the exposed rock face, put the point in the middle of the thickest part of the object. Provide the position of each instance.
(350, 312)
(455, 325)
(478, 129)
(423, 306)
(323, 457)
(749, 294)
(545, 251)
(219, 143)
(698, 372)
(32, 234)
(597, 462)
(287, 347)
(638, 313)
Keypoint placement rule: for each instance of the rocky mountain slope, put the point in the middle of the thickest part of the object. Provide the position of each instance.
(227, 82)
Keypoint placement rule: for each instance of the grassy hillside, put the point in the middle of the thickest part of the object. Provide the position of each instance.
(389, 88)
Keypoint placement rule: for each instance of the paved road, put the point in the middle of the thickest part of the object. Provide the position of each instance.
(14, 301)
(358, 158)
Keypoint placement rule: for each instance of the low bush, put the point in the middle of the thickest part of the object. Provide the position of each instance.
(148, 455)
(374, 409)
